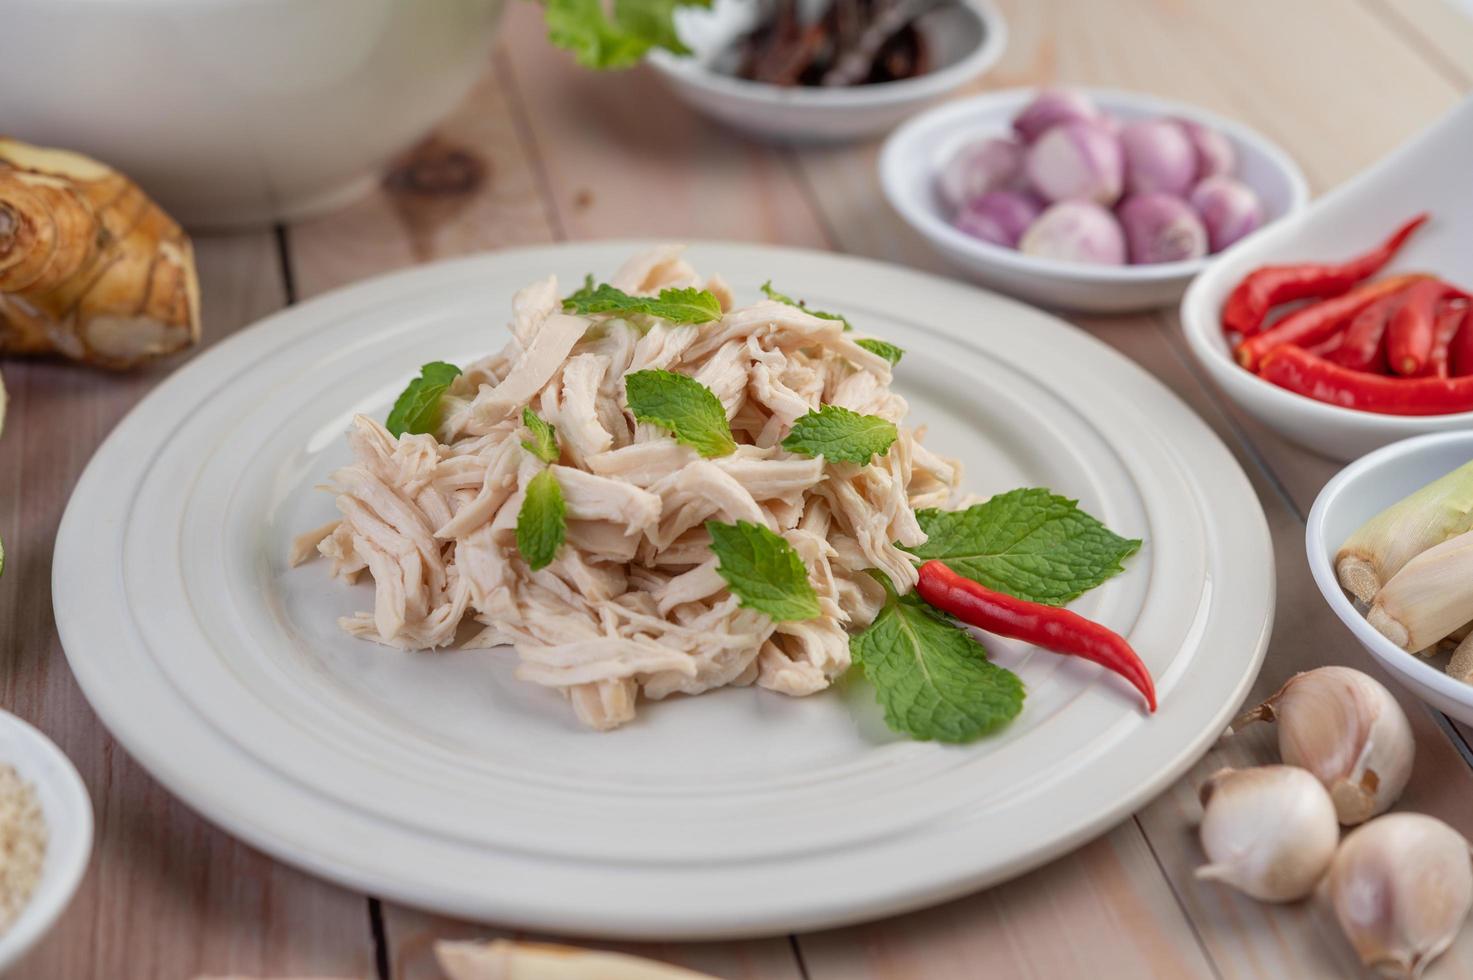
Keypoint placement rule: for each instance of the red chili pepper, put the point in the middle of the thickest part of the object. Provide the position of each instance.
(1364, 348)
(1461, 351)
(1314, 377)
(1328, 346)
(1049, 627)
(1411, 332)
(1264, 288)
(1309, 326)
(1449, 321)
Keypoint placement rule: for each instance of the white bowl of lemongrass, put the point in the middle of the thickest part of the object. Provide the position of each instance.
(1390, 543)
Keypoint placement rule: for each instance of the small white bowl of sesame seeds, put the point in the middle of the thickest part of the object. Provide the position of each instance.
(45, 836)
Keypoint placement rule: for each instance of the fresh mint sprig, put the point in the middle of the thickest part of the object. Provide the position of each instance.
(690, 410)
(417, 409)
(763, 571)
(688, 305)
(1029, 543)
(839, 435)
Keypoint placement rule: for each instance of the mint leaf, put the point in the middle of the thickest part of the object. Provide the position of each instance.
(888, 351)
(417, 409)
(839, 435)
(689, 305)
(690, 410)
(773, 294)
(933, 678)
(763, 571)
(1028, 543)
(544, 437)
(542, 522)
(598, 42)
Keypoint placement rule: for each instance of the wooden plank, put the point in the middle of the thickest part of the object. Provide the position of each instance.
(1101, 911)
(411, 936)
(166, 894)
(1441, 29)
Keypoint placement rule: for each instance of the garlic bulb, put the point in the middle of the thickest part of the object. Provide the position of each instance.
(1401, 887)
(1348, 730)
(1270, 831)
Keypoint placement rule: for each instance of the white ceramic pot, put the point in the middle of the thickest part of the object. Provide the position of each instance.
(239, 112)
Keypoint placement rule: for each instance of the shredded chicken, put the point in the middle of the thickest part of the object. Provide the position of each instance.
(633, 603)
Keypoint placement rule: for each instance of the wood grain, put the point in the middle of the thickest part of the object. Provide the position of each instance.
(166, 894)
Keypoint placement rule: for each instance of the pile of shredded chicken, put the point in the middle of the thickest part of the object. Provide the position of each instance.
(633, 602)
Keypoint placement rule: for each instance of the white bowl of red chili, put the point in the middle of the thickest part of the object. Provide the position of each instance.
(1429, 174)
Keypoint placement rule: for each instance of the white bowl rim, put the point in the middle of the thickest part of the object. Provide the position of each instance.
(68, 847)
(934, 227)
(1394, 657)
(928, 85)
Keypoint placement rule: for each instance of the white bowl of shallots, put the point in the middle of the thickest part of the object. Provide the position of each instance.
(1085, 199)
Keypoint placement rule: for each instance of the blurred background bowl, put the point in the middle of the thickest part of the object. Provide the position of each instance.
(1433, 173)
(239, 112)
(915, 154)
(964, 38)
(1355, 495)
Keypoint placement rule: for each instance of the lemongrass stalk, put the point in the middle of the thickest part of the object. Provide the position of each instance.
(1430, 597)
(504, 959)
(1383, 545)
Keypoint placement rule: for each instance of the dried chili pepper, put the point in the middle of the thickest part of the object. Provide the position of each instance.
(1313, 324)
(1264, 288)
(1314, 377)
(1412, 331)
(1449, 322)
(1364, 348)
(1049, 627)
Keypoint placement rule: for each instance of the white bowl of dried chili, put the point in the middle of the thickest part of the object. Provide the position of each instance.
(1429, 174)
(1352, 497)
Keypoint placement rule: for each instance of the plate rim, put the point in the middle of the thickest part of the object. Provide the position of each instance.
(688, 924)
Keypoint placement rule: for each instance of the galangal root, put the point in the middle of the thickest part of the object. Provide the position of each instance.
(90, 267)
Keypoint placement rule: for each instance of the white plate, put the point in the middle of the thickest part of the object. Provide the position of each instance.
(967, 38)
(1355, 495)
(438, 780)
(1430, 173)
(68, 812)
(917, 152)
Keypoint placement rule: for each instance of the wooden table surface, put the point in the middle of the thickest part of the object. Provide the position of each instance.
(543, 152)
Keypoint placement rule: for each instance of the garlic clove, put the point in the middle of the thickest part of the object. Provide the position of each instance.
(1269, 831)
(1347, 729)
(1401, 887)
